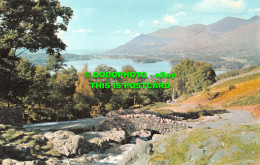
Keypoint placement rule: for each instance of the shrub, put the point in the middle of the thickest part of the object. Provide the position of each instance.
(231, 87)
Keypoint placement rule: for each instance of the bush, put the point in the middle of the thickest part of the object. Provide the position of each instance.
(231, 87)
(147, 101)
(109, 107)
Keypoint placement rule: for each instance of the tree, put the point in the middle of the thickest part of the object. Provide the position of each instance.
(192, 76)
(62, 88)
(32, 25)
(130, 95)
(28, 25)
(83, 97)
(35, 103)
(104, 94)
(82, 84)
(55, 62)
(148, 96)
(16, 78)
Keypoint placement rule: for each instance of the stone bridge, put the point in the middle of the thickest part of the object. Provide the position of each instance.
(162, 124)
(128, 120)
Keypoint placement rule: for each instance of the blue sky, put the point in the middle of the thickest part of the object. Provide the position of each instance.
(106, 24)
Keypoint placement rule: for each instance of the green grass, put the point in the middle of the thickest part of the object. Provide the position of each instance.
(53, 153)
(23, 140)
(202, 110)
(238, 80)
(9, 134)
(159, 107)
(248, 100)
(237, 72)
(48, 146)
(178, 151)
(4, 127)
(31, 143)
(251, 151)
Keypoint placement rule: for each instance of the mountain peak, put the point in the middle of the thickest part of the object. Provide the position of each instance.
(231, 19)
(228, 35)
(254, 18)
(227, 24)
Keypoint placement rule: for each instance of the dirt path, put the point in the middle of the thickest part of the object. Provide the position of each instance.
(66, 125)
(231, 118)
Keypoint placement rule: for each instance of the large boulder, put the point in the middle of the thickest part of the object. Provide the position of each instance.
(144, 147)
(140, 155)
(104, 139)
(49, 135)
(68, 144)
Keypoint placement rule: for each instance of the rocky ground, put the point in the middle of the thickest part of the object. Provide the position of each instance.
(120, 138)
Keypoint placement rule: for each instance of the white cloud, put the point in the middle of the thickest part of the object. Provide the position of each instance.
(82, 30)
(149, 23)
(255, 10)
(127, 31)
(220, 5)
(156, 22)
(181, 13)
(169, 19)
(137, 34)
(118, 31)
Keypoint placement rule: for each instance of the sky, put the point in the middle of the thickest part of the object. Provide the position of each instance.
(99, 25)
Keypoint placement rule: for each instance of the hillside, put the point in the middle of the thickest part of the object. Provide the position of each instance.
(240, 92)
(41, 58)
(232, 36)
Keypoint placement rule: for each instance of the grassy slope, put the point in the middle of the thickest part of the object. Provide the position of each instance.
(13, 135)
(245, 95)
(234, 144)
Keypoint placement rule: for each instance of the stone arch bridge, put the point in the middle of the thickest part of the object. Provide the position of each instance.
(136, 122)
(127, 120)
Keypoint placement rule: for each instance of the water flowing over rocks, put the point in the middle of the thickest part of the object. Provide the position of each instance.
(122, 137)
(90, 141)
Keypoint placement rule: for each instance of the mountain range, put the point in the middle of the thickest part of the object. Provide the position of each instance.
(232, 36)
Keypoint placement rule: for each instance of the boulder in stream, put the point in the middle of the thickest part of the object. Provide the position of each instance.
(69, 144)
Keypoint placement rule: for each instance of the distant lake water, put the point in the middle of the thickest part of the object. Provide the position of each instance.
(149, 68)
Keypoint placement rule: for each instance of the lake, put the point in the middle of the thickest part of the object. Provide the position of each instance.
(149, 68)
